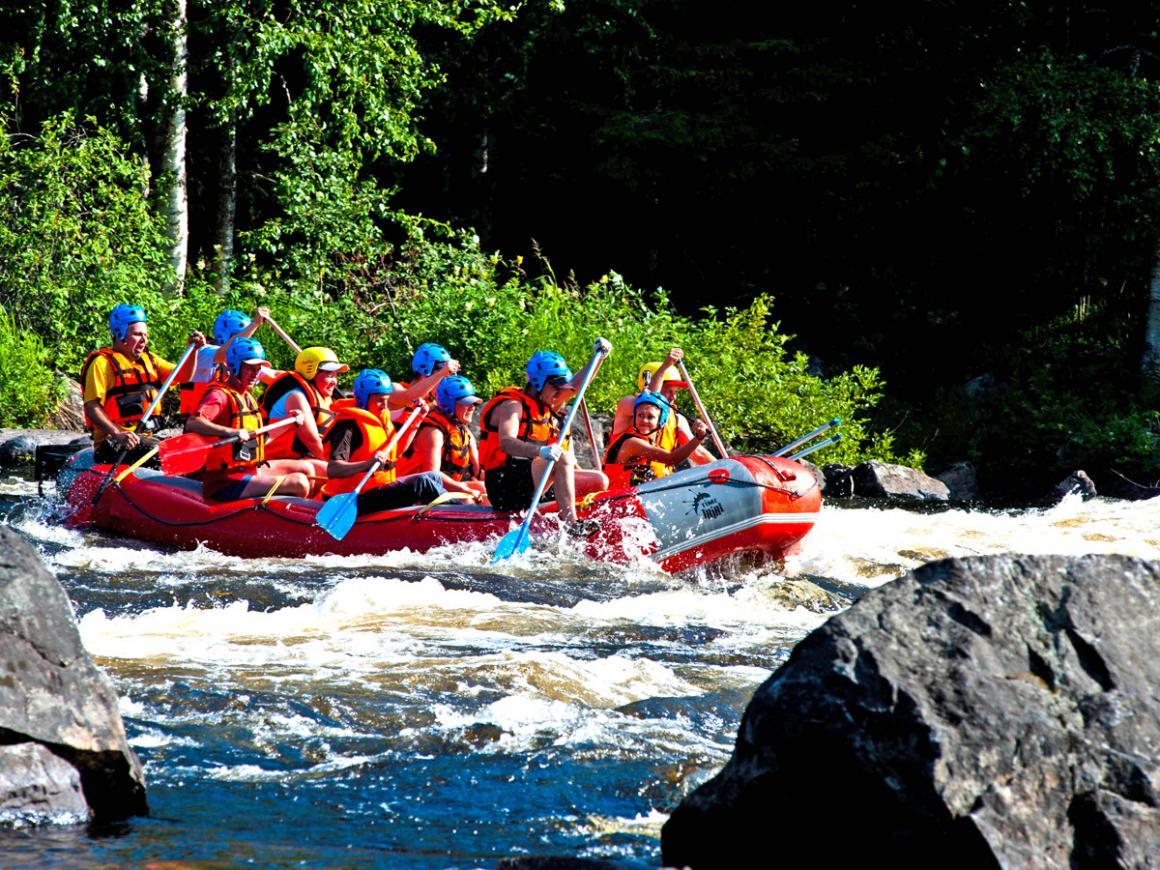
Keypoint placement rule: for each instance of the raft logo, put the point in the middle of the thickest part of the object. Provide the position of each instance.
(707, 506)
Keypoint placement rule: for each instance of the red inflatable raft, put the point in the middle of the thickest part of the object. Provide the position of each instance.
(745, 504)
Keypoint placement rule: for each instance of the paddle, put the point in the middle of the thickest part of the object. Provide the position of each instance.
(518, 541)
(701, 410)
(834, 440)
(186, 454)
(809, 437)
(282, 335)
(143, 423)
(337, 515)
(597, 447)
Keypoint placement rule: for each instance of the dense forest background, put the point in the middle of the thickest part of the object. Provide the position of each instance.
(936, 219)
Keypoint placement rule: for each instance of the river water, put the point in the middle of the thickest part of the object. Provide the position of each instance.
(429, 711)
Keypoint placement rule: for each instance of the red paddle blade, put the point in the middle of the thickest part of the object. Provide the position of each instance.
(184, 454)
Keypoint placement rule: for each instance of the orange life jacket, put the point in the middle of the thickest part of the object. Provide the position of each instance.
(375, 431)
(538, 425)
(455, 461)
(637, 470)
(133, 390)
(245, 413)
(286, 444)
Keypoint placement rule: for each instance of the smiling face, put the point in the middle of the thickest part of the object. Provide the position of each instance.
(326, 382)
(135, 341)
(464, 411)
(647, 418)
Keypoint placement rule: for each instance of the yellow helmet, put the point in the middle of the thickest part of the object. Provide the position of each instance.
(311, 359)
(672, 376)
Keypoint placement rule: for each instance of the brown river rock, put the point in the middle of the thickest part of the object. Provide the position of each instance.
(993, 711)
(62, 733)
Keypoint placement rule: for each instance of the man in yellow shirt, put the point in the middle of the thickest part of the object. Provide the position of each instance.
(120, 382)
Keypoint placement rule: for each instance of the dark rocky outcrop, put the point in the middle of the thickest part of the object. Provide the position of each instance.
(962, 482)
(882, 480)
(997, 711)
(59, 723)
(18, 446)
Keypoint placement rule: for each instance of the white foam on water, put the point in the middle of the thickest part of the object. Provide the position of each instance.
(745, 607)
(871, 546)
(255, 773)
(151, 738)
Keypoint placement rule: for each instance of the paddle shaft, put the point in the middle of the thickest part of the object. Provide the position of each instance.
(809, 437)
(597, 447)
(165, 386)
(282, 335)
(832, 440)
(701, 410)
(415, 412)
(589, 374)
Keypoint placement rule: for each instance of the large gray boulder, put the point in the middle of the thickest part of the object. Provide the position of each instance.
(883, 480)
(18, 446)
(998, 711)
(58, 712)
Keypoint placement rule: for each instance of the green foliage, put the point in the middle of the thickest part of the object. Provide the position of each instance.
(29, 391)
(76, 234)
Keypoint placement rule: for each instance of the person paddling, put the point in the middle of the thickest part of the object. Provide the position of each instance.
(443, 440)
(357, 440)
(120, 383)
(517, 429)
(309, 390)
(242, 469)
(663, 378)
(634, 458)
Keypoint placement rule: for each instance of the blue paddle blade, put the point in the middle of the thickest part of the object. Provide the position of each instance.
(337, 516)
(512, 544)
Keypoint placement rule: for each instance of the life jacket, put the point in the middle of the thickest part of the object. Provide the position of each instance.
(134, 388)
(245, 413)
(286, 444)
(455, 461)
(192, 392)
(375, 431)
(538, 425)
(637, 470)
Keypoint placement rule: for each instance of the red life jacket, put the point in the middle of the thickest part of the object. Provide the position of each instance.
(538, 425)
(134, 388)
(192, 392)
(455, 460)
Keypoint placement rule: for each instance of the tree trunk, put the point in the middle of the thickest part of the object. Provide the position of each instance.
(227, 209)
(1150, 367)
(174, 169)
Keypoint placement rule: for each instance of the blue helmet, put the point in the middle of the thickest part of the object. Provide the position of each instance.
(427, 357)
(546, 364)
(122, 316)
(453, 390)
(242, 351)
(228, 324)
(655, 399)
(371, 382)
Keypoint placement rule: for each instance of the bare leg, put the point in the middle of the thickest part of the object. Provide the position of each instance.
(297, 484)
